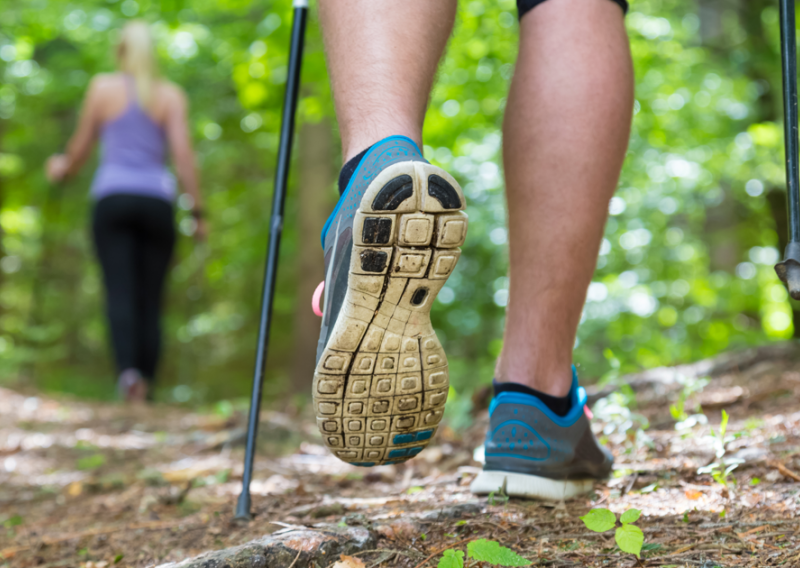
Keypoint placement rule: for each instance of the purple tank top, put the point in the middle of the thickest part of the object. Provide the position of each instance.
(133, 158)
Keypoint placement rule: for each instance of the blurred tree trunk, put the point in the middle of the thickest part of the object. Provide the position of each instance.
(710, 13)
(722, 220)
(2, 249)
(315, 196)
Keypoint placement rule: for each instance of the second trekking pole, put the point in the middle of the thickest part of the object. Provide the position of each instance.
(789, 270)
(275, 230)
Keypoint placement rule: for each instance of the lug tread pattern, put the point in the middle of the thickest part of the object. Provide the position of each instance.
(381, 384)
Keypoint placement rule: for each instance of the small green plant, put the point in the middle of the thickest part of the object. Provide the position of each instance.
(14, 521)
(482, 550)
(677, 410)
(720, 472)
(84, 445)
(497, 497)
(752, 424)
(91, 462)
(616, 410)
(629, 537)
(452, 559)
(722, 468)
(689, 386)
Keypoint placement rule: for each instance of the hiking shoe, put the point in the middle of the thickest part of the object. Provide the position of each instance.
(131, 387)
(390, 244)
(532, 452)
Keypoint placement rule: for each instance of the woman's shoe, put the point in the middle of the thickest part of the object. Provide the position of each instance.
(131, 387)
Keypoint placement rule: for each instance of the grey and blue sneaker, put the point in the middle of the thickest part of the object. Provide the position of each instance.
(532, 452)
(390, 244)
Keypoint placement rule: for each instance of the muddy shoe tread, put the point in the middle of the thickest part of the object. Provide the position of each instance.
(381, 384)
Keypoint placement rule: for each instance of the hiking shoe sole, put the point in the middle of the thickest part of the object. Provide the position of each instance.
(529, 486)
(381, 383)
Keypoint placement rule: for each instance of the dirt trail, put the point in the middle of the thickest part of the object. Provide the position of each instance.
(100, 485)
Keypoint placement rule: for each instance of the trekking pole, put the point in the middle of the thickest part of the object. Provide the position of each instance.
(275, 229)
(789, 270)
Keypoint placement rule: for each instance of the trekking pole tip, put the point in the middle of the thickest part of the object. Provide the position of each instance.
(243, 507)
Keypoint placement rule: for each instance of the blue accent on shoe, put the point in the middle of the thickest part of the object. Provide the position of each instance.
(343, 197)
(424, 435)
(577, 394)
(528, 438)
(511, 445)
(400, 439)
(363, 464)
(405, 452)
(403, 439)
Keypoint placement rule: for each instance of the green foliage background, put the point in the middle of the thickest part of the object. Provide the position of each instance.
(685, 269)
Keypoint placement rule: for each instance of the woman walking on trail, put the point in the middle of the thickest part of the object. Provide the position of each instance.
(138, 117)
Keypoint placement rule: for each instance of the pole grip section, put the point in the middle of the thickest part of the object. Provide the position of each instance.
(276, 228)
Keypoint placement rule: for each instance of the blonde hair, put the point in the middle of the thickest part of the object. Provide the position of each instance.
(136, 57)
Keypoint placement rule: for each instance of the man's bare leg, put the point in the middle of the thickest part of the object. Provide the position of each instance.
(566, 132)
(376, 333)
(382, 59)
(567, 127)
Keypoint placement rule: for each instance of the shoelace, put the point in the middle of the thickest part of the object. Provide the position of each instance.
(316, 299)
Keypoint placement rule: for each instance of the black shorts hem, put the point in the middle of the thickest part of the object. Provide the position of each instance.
(525, 6)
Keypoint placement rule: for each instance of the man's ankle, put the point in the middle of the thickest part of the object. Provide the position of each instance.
(346, 174)
(559, 405)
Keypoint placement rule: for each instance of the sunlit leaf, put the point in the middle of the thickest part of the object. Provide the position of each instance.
(492, 552)
(599, 520)
(630, 538)
(14, 521)
(630, 516)
(723, 425)
(91, 462)
(452, 559)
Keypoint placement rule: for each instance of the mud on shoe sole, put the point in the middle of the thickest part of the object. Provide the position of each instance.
(381, 384)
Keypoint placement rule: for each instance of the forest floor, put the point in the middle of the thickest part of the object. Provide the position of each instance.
(97, 485)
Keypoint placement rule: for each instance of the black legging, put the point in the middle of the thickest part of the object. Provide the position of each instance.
(134, 237)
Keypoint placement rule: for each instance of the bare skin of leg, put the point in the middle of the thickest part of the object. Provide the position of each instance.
(382, 61)
(567, 127)
(565, 136)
